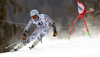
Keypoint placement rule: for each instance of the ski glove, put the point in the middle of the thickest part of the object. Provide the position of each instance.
(55, 34)
(54, 29)
(24, 35)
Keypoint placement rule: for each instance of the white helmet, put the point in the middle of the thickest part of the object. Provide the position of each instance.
(34, 12)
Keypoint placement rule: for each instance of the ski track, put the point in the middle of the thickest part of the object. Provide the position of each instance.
(79, 47)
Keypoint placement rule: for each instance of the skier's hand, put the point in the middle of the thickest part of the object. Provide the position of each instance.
(23, 37)
(55, 34)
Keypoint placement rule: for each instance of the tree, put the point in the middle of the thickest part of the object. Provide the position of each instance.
(6, 29)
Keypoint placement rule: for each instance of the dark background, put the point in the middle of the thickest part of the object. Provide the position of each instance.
(14, 16)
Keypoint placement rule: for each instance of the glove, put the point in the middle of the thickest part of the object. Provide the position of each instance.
(55, 34)
(23, 37)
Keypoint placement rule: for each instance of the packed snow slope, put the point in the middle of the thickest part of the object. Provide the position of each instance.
(78, 47)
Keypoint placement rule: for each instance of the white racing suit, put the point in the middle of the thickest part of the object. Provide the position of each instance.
(41, 30)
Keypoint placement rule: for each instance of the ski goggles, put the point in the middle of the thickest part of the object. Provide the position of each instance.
(34, 16)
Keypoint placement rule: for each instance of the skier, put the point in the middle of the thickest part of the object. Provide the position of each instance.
(42, 21)
(81, 11)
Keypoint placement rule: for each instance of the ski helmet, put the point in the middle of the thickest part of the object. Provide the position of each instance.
(34, 12)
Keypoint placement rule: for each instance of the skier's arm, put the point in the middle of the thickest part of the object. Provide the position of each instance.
(51, 21)
(54, 29)
(48, 19)
(30, 23)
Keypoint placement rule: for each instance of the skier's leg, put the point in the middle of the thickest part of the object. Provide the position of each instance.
(28, 40)
(40, 35)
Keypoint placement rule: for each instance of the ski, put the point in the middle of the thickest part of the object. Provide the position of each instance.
(34, 44)
(18, 47)
(31, 47)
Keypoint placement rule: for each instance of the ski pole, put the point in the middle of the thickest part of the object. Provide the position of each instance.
(12, 44)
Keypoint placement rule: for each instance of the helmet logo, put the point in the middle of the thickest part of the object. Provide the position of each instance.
(33, 14)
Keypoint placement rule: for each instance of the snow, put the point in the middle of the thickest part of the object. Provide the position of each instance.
(76, 47)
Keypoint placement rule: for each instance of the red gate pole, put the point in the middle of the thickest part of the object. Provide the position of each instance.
(72, 27)
(86, 26)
